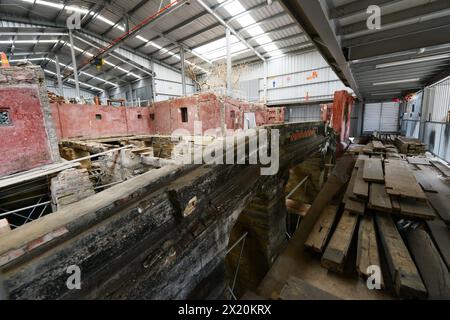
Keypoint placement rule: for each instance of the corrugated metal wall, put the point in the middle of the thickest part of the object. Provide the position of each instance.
(69, 92)
(295, 79)
(168, 83)
(381, 117)
(439, 101)
(431, 125)
(302, 113)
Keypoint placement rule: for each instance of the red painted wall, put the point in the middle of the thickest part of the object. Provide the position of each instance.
(24, 144)
(75, 120)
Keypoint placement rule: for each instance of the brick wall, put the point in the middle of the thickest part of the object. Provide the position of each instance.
(28, 138)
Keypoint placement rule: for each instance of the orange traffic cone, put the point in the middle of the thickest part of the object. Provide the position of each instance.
(3, 60)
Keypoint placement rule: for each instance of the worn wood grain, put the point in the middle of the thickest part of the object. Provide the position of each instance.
(355, 207)
(320, 234)
(379, 199)
(373, 170)
(400, 180)
(418, 161)
(445, 170)
(441, 204)
(405, 276)
(416, 209)
(434, 272)
(367, 254)
(336, 252)
(441, 235)
(361, 187)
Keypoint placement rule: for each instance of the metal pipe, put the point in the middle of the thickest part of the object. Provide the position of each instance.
(266, 73)
(237, 242)
(297, 186)
(58, 76)
(25, 208)
(207, 8)
(229, 66)
(183, 72)
(74, 63)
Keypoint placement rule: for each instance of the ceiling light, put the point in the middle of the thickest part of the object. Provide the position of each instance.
(396, 82)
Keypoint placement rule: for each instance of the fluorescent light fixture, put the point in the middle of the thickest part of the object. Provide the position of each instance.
(70, 9)
(410, 61)
(27, 41)
(396, 82)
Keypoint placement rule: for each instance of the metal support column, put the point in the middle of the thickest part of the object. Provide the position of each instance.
(74, 65)
(229, 67)
(266, 72)
(58, 75)
(183, 71)
(152, 63)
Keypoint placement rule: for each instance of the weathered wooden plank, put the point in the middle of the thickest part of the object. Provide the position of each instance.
(337, 180)
(442, 168)
(355, 207)
(425, 181)
(337, 250)
(321, 231)
(373, 170)
(395, 205)
(400, 180)
(297, 289)
(378, 146)
(416, 209)
(361, 187)
(405, 276)
(441, 235)
(349, 192)
(441, 204)
(367, 254)
(434, 272)
(418, 161)
(379, 199)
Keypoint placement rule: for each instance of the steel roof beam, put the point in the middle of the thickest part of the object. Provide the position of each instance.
(355, 7)
(410, 15)
(312, 18)
(426, 38)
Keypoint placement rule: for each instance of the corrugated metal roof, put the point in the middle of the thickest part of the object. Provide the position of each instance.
(189, 25)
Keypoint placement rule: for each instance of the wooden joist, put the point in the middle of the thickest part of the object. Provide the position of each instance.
(400, 180)
(336, 252)
(318, 237)
(367, 254)
(419, 161)
(416, 209)
(355, 207)
(349, 192)
(441, 235)
(434, 272)
(442, 168)
(441, 204)
(379, 199)
(373, 170)
(405, 276)
(361, 187)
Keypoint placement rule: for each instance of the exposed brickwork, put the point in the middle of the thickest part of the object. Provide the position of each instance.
(70, 186)
(30, 139)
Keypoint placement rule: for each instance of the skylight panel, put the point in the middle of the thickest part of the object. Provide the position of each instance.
(246, 20)
(234, 8)
(255, 31)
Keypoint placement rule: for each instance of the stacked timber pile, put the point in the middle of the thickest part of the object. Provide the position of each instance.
(410, 146)
(54, 98)
(386, 217)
